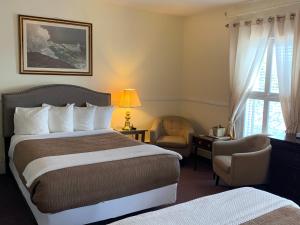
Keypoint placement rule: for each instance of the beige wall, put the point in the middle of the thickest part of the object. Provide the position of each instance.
(179, 65)
(132, 48)
(205, 80)
(205, 69)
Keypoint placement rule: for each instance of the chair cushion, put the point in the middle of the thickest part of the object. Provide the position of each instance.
(223, 162)
(171, 141)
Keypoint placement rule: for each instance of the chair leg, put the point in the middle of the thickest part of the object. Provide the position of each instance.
(214, 175)
(217, 180)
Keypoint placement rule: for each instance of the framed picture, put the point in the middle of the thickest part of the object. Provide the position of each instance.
(54, 46)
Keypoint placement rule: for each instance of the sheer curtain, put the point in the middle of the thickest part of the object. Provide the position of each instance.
(287, 45)
(248, 44)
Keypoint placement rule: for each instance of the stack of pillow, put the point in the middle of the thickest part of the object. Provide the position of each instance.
(53, 119)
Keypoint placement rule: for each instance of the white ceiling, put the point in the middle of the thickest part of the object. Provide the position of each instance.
(175, 7)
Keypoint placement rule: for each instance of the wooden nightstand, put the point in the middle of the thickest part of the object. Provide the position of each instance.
(135, 133)
(206, 143)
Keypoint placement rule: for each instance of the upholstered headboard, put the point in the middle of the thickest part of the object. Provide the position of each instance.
(58, 94)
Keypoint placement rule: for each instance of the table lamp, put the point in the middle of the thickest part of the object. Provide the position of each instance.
(129, 99)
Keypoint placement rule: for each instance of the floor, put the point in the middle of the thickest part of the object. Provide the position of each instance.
(193, 184)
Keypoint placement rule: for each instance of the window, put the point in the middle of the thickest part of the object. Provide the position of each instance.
(263, 110)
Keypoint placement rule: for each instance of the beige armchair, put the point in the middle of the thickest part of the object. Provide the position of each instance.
(174, 133)
(242, 162)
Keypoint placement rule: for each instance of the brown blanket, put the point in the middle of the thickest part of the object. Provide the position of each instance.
(90, 184)
(282, 216)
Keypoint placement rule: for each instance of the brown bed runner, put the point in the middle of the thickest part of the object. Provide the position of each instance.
(38, 148)
(283, 216)
(90, 184)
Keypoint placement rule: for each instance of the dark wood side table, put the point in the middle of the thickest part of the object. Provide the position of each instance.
(204, 142)
(136, 133)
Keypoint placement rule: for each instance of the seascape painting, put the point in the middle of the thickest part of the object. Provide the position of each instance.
(52, 46)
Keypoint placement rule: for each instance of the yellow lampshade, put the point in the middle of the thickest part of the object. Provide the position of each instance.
(130, 99)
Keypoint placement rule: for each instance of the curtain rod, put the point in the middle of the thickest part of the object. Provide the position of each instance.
(260, 20)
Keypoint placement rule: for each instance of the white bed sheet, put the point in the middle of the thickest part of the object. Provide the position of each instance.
(228, 208)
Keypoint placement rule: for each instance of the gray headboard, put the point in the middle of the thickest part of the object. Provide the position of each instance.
(58, 94)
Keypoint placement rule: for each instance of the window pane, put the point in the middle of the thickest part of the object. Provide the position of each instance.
(268, 118)
(276, 124)
(259, 84)
(286, 54)
(253, 117)
(274, 80)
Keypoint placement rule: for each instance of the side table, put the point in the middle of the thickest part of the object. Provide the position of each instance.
(136, 133)
(204, 142)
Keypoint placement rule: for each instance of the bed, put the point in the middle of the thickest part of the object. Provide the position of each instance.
(247, 206)
(82, 177)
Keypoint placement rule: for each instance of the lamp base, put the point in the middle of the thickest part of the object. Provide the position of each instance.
(127, 125)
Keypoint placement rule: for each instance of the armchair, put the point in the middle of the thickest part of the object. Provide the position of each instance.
(242, 162)
(174, 133)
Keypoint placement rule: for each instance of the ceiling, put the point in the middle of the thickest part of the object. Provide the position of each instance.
(174, 7)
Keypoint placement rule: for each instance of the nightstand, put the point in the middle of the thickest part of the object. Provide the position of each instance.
(204, 142)
(135, 133)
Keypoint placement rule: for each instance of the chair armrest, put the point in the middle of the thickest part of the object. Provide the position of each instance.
(188, 134)
(231, 147)
(226, 147)
(155, 131)
(251, 166)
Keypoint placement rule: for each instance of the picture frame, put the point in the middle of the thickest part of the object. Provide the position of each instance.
(55, 46)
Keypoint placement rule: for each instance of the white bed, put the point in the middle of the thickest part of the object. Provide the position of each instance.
(228, 208)
(60, 95)
(93, 213)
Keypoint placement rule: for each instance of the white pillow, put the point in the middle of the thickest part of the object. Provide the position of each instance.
(84, 118)
(31, 120)
(61, 118)
(103, 114)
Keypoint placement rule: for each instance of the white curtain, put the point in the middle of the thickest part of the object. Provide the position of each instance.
(248, 44)
(287, 45)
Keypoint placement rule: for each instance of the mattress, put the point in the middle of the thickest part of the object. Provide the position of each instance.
(88, 184)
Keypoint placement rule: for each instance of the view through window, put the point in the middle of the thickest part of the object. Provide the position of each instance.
(263, 112)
